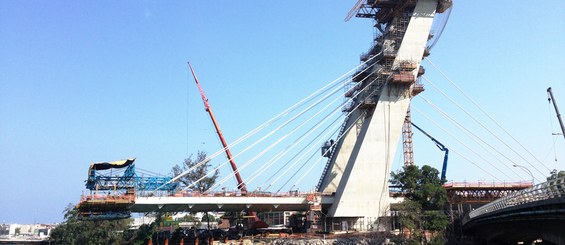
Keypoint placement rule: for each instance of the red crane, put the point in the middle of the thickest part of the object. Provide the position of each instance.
(240, 185)
(254, 221)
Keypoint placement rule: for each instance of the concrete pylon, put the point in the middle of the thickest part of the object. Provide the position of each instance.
(360, 168)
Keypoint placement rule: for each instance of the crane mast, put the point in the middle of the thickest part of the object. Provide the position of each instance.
(551, 99)
(240, 185)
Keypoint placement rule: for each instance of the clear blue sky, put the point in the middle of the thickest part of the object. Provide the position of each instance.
(83, 82)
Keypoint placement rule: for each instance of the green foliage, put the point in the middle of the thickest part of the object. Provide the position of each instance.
(197, 173)
(190, 218)
(424, 200)
(76, 231)
(411, 217)
(187, 218)
(177, 235)
(421, 185)
(435, 220)
(144, 233)
(437, 240)
(208, 217)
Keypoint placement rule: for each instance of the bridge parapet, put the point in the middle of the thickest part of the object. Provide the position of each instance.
(553, 188)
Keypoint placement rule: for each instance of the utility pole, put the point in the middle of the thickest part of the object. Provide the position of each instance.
(551, 99)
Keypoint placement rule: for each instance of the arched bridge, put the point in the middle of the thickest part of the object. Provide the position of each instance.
(524, 216)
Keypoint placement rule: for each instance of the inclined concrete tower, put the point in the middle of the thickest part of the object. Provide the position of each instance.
(359, 167)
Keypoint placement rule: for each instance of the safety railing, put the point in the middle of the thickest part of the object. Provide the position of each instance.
(553, 188)
(190, 193)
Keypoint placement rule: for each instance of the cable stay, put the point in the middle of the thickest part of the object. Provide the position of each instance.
(293, 144)
(473, 137)
(261, 169)
(293, 130)
(285, 124)
(318, 138)
(487, 115)
(332, 145)
(479, 123)
(465, 146)
(470, 135)
(281, 126)
(483, 126)
(270, 163)
(264, 167)
(277, 117)
(303, 153)
(469, 147)
(278, 156)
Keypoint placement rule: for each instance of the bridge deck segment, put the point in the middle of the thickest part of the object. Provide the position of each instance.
(230, 203)
(526, 215)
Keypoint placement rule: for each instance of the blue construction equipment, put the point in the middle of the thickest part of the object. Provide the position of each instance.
(113, 191)
(441, 147)
(102, 177)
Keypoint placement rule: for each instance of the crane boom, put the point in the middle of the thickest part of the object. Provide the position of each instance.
(556, 110)
(354, 10)
(240, 184)
(441, 148)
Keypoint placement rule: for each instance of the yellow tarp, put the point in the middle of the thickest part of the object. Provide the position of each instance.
(114, 164)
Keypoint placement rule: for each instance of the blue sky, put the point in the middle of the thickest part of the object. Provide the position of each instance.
(84, 82)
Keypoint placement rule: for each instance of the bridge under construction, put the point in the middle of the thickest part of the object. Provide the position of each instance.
(353, 188)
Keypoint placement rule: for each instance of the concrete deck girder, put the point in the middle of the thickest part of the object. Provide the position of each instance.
(201, 204)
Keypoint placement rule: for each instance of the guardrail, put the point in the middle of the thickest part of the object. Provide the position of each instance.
(484, 184)
(553, 188)
(191, 193)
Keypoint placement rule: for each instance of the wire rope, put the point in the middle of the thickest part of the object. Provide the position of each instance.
(483, 126)
(278, 128)
(335, 142)
(282, 138)
(461, 142)
(551, 126)
(486, 114)
(264, 167)
(463, 128)
(264, 125)
(461, 155)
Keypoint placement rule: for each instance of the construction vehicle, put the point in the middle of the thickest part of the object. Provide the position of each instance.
(441, 147)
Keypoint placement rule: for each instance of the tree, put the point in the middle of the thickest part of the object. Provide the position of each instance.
(424, 200)
(208, 217)
(421, 185)
(76, 231)
(199, 172)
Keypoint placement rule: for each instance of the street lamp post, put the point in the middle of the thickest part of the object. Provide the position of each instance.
(526, 169)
